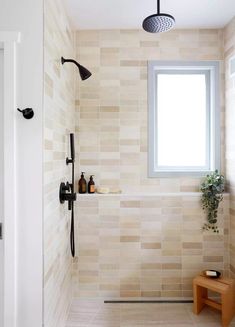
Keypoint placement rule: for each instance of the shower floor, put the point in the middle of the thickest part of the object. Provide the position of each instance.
(90, 313)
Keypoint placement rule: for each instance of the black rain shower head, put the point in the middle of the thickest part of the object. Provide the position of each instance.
(84, 73)
(159, 22)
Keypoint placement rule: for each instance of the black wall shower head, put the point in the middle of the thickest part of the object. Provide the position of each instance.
(84, 73)
(159, 22)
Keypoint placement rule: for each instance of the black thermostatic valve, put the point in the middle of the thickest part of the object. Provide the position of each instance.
(66, 193)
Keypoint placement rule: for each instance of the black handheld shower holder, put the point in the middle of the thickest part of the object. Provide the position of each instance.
(66, 193)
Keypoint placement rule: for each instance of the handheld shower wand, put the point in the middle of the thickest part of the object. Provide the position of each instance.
(72, 150)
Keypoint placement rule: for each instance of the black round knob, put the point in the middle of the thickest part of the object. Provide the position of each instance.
(28, 113)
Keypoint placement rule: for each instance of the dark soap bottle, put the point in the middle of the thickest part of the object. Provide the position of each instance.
(91, 185)
(82, 184)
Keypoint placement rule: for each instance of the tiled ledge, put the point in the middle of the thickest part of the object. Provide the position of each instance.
(132, 194)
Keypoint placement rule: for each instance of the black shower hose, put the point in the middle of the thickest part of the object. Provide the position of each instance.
(72, 242)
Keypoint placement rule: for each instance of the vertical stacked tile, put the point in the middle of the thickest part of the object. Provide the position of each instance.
(145, 246)
(59, 110)
(112, 104)
(229, 51)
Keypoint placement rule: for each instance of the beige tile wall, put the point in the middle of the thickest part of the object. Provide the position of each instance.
(112, 104)
(229, 45)
(146, 245)
(59, 111)
(137, 246)
(128, 246)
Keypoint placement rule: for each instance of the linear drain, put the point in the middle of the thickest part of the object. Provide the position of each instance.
(148, 301)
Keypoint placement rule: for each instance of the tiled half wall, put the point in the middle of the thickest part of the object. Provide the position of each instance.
(145, 245)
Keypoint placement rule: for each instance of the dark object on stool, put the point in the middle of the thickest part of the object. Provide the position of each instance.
(211, 273)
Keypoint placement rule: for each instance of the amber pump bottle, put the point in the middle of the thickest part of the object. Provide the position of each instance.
(82, 184)
(91, 185)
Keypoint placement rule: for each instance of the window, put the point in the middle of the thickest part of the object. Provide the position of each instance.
(184, 127)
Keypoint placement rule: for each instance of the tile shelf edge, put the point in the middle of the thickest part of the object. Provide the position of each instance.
(144, 194)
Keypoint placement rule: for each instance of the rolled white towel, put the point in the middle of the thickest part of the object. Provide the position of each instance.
(102, 190)
(115, 190)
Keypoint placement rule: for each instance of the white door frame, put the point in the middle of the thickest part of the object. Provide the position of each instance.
(8, 41)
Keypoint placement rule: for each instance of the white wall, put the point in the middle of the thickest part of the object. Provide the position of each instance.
(1, 184)
(26, 16)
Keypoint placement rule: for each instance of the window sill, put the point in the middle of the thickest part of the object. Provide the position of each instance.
(166, 174)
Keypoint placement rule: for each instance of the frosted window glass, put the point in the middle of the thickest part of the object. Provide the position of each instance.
(181, 120)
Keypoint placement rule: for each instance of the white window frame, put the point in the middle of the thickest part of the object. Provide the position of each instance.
(211, 71)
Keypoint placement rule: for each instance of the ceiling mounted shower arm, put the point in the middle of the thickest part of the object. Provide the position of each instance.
(158, 7)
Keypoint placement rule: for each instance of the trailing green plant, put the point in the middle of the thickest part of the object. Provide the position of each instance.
(212, 190)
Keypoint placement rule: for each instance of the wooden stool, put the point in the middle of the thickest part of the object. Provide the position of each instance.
(224, 286)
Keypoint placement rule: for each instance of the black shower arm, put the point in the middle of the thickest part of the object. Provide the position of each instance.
(63, 60)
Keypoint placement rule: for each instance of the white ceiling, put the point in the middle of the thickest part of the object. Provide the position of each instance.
(129, 14)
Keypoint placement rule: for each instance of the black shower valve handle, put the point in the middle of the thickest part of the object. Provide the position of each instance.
(66, 193)
(71, 201)
(71, 197)
(67, 186)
